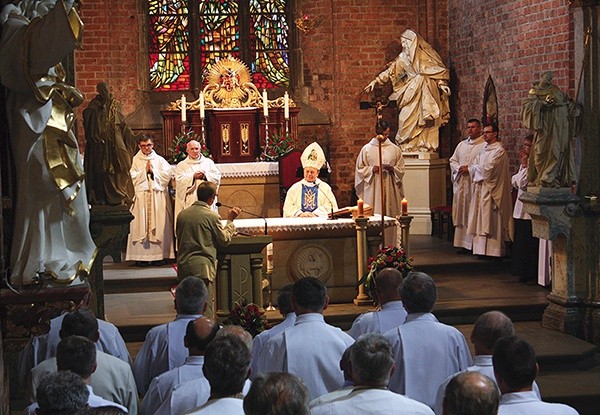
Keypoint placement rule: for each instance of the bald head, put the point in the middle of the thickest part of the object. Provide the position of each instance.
(488, 329)
(199, 333)
(387, 282)
(471, 393)
(239, 332)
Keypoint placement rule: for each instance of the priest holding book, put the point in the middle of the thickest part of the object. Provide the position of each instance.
(310, 197)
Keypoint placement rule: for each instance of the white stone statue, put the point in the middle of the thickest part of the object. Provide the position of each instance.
(420, 82)
(51, 235)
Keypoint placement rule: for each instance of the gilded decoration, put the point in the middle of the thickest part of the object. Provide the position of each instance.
(230, 86)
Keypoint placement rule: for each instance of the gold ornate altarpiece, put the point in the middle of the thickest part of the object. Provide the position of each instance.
(234, 123)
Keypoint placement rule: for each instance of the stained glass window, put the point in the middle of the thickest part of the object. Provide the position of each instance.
(188, 36)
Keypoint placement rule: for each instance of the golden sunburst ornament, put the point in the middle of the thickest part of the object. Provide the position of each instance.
(231, 75)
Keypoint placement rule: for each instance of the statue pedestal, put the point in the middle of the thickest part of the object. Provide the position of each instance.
(424, 186)
(574, 228)
(109, 226)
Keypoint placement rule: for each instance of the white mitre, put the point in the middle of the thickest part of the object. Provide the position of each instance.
(313, 156)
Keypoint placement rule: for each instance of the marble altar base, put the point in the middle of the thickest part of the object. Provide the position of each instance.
(252, 186)
(424, 187)
(318, 247)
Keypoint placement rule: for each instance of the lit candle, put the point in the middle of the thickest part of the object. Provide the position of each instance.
(404, 207)
(270, 257)
(286, 106)
(361, 208)
(41, 268)
(265, 103)
(202, 105)
(183, 109)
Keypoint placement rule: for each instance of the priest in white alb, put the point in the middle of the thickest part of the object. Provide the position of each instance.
(461, 160)
(151, 230)
(194, 169)
(490, 218)
(310, 197)
(367, 179)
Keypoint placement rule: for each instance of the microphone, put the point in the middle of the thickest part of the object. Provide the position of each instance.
(329, 200)
(219, 204)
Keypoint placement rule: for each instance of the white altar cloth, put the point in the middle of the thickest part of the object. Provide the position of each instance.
(325, 249)
(277, 226)
(258, 169)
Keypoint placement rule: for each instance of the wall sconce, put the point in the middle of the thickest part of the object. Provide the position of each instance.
(306, 23)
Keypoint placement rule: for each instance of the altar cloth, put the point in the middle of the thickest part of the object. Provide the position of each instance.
(257, 169)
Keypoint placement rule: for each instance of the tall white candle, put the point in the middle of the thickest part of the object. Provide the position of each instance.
(265, 103)
(202, 105)
(183, 109)
(270, 257)
(286, 105)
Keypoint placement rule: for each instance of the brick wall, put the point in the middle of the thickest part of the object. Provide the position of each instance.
(351, 46)
(111, 41)
(513, 41)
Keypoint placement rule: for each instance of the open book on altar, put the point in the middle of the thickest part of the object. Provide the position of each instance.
(351, 211)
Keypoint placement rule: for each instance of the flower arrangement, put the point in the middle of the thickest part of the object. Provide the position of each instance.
(279, 144)
(387, 257)
(178, 146)
(248, 316)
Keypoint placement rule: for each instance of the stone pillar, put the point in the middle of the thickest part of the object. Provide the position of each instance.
(572, 225)
(109, 226)
(424, 187)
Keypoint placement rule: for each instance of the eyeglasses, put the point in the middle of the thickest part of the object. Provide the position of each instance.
(146, 145)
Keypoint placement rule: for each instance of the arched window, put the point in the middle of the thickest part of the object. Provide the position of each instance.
(186, 37)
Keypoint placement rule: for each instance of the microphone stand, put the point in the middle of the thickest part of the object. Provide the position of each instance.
(219, 204)
(329, 200)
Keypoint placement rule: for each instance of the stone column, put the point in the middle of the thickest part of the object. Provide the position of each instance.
(572, 225)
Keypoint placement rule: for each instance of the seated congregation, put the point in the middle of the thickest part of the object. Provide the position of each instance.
(398, 359)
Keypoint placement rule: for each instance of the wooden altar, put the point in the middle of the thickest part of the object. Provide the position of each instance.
(318, 247)
(233, 135)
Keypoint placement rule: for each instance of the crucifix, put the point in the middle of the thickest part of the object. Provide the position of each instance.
(379, 104)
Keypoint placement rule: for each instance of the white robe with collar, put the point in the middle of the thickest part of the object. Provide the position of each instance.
(490, 212)
(371, 402)
(259, 341)
(527, 403)
(162, 350)
(326, 202)
(391, 315)
(161, 386)
(464, 155)
(311, 350)
(186, 185)
(483, 364)
(367, 183)
(151, 230)
(426, 353)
